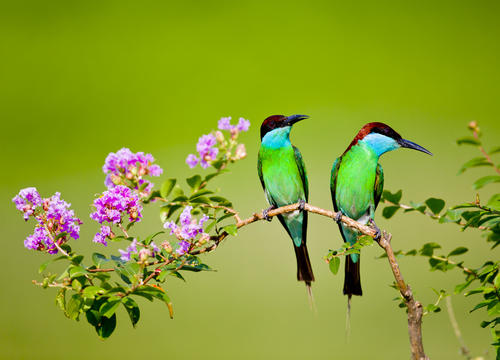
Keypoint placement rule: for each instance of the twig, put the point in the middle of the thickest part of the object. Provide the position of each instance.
(433, 216)
(123, 229)
(459, 265)
(485, 154)
(464, 350)
(55, 242)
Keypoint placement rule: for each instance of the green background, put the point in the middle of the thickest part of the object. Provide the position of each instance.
(83, 78)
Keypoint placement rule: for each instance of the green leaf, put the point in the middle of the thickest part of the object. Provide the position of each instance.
(417, 206)
(150, 238)
(389, 211)
(194, 181)
(106, 326)
(428, 249)
(495, 150)
(132, 309)
(76, 285)
(478, 184)
(468, 141)
(61, 299)
(225, 216)
(231, 229)
(481, 304)
(48, 262)
(73, 306)
(91, 291)
(166, 187)
(435, 205)
(393, 198)
(334, 265)
(99, 259)
(218, 199)
(77, 259)
(458, 251)
(200, 193)
(494, 202)
(461, 287)
(433, 308)
(200, 200)
(76, 271)
(478, 161)
(108, 308)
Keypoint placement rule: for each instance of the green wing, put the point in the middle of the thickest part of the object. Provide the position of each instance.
(259, 170)
(379, 185)
(333, 180)
(302, 171)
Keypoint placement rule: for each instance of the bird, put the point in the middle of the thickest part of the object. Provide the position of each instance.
(356, 185)
(283, 176)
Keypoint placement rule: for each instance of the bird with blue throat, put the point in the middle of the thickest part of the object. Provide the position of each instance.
(356, 184)
(283, 177)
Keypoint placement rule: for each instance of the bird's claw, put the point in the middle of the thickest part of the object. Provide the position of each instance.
(378, 233)
(265, 213)
(302, 204)
(338, 217)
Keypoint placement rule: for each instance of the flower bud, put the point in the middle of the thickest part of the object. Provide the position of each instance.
(204, 238)
(241, 152)
(166, 245)
(219, 136)
(144, 255)
(115, 179)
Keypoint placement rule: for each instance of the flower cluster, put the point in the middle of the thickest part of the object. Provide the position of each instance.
(56, 222)
(211, 145)
(225, 124)
(188, 230)
(126, 168)
(111, 206)
(27, 200)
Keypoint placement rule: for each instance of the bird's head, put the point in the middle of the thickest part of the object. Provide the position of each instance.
(283, 122)
(279, 122)
(382, 138)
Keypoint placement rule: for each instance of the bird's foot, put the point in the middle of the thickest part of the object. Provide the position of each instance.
(302, 205)
(378, 233)
(338, 217)
(265, 213)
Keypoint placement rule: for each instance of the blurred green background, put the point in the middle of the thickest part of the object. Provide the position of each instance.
(80, 79)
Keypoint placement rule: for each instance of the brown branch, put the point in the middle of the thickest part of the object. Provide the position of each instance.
(415, 309)
(433, 216)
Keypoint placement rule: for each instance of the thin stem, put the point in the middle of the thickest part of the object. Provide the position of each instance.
(459, 265)
(464, 350)
(55, 242)
(123, 230)
(485, 154)
(433, 216)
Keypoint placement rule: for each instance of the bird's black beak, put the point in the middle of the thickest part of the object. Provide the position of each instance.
(292, 119)
(411, 145)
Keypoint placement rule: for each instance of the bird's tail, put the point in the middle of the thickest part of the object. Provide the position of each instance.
(352, 281)
(348, 319)
(304, 269)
